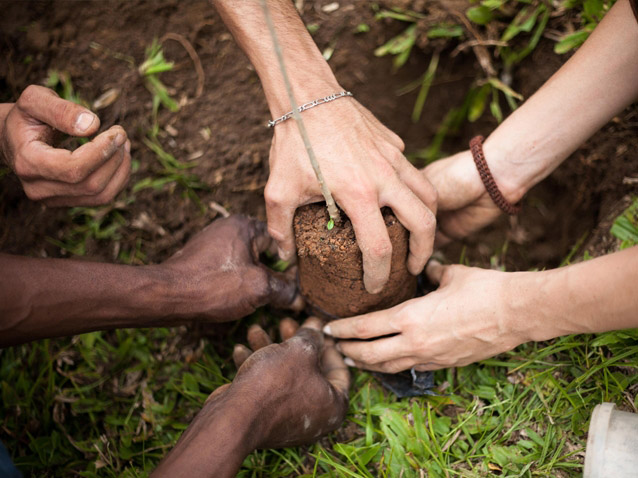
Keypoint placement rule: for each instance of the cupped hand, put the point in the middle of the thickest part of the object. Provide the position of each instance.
(470, 317)
(91, 175)
(217, 275)
(301, 384)
(464, 206)
(283, 395)
(364, 168)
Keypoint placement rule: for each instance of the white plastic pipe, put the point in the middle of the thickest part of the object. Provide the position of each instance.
(612, 444)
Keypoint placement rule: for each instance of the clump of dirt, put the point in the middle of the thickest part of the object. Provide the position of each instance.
(331, 265)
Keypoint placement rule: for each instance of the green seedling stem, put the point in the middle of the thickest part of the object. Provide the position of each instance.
(333, 211)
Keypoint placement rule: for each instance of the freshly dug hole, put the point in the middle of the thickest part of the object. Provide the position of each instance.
(331, 266)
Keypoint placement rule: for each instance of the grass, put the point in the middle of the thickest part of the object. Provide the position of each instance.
(110, 404)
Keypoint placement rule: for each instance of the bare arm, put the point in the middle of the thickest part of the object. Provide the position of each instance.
(477, 313)
(595, 296)
(310, 75)
(361, 159)
(593, 86)
(215, 277)
(283, 395)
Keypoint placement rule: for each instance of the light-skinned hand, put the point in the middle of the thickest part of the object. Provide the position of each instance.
(464, 206)
(363, 164)
(470, 317)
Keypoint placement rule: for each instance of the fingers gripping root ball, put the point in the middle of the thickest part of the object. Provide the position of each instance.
(331, 265)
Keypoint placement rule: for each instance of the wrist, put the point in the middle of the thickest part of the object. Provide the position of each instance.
(217, 440)
(305, 88)
(511, 177)
(535, 304)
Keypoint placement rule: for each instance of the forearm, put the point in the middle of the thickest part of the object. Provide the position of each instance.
(216, 442)
(593, 86)
(42, 298)
(595, 296)
(309, 73)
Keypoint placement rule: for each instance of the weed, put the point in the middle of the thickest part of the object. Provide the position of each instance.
(153, 65)
(513, 28)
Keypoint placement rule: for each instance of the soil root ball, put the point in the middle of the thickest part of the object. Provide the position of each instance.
(331, 266)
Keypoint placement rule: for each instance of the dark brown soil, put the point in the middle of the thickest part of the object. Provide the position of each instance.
(224, 127)
(331, 265)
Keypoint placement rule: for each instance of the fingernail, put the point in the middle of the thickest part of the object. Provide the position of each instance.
(84, 121)
(127, 146)
(118, 140)
(349, 362)
(326, 330)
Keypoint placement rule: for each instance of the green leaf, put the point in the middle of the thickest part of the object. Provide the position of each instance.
(625, 227)
(495, 106)
(493, 4)
(443, 31)
(477, 105)
(569, 42)
(499, 85)
(594, 10)
(428, 78)
(399, 43)
(330, 225)
(480, 15)
(362, 28)
(523, 22)
(410, 17)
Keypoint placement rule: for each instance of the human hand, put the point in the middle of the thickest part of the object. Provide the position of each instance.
(473, 315)
(364, 167)
(217, 275)
(464, 206)
(91, 175)
(302, 383)
(283, 395)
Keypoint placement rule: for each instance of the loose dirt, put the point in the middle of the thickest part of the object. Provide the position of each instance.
(222, 131)
(331, 265)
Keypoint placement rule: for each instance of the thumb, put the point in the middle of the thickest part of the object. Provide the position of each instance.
(283, 290)
(46, 106)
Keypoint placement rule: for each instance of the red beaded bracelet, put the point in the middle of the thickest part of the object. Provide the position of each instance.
(476, 146)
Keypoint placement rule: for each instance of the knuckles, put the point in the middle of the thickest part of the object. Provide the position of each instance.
(381, 249)
(275, 195)
(361, 328)
(32, 95)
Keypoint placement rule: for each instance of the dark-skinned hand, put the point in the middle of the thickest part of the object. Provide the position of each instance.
(91, 175)
(218, 275)
(283, 395)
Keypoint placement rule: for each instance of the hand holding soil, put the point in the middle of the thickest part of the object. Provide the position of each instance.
(467, 319)
(363, 163)
(283, 395)
(91, 175)
(216, 277)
